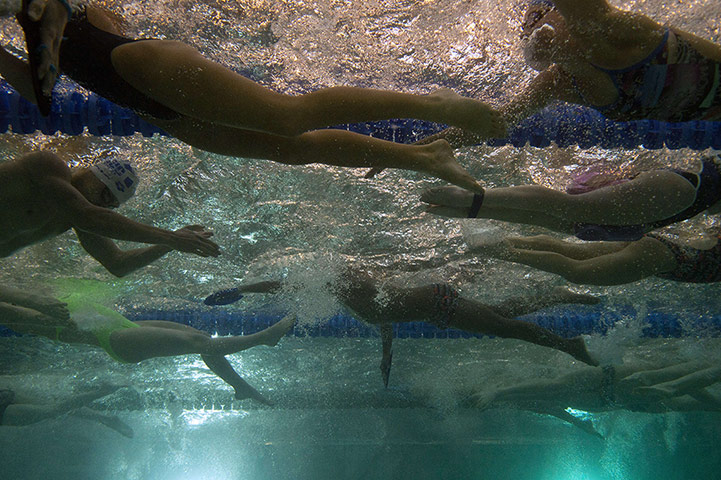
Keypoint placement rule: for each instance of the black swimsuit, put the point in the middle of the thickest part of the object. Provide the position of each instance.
(85, 57)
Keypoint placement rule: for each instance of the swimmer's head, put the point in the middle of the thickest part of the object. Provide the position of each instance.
(119, 178)
(106, 184)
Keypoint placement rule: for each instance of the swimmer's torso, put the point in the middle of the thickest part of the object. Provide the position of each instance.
(27, 216)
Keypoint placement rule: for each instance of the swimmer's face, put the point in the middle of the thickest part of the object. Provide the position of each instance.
(95, 191)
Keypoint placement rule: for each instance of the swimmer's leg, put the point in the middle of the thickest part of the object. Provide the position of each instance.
(161, 339)
(637, 260)
(177, 76)
(220, 366)
(574, 250)
(386, 330)
(476, 317)
(645, 378)
(419, 304)
(330, 147)
(684, 385)
(518, 306)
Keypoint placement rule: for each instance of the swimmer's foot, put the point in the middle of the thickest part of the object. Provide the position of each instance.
(576, 347)
(272, 335)
(564, 295)
(110, 421)
(469, 114)
(244, 390)
(487, 241)
(443, 165)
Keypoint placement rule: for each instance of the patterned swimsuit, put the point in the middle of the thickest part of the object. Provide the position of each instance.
(692, 264)
(686, 90)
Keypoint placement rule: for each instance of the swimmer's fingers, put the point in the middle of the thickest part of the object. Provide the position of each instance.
(443, 211)
(53, 18)
(189, 241)
(200, 229)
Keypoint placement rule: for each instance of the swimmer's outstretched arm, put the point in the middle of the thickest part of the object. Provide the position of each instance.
(123, 262)
(52, 179)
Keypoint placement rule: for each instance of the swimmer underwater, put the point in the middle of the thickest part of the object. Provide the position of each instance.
(93, 324)
(624, 64)
(41, 197)
(210, 107)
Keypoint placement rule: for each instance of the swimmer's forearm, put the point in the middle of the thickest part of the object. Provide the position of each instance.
(131, 260)
(106, 223)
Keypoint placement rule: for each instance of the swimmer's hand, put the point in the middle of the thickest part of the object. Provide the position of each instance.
(194, 239)
(224, 297)
(53, 16)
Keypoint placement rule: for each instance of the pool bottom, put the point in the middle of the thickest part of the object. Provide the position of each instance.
(360, 444)
(333, 419)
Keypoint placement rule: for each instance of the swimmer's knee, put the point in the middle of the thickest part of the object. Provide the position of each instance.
(287, 115)
(293, 151)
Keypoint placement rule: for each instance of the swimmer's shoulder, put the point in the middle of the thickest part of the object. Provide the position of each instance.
(41, 165)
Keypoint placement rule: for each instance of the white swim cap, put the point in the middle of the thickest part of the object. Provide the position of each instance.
(118, 176)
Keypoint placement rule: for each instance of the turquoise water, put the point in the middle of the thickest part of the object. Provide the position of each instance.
(332, 418)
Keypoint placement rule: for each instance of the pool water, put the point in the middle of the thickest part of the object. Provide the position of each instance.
(332, 417)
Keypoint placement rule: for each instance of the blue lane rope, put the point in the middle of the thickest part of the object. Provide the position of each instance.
(74, 112)
(566, 323)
